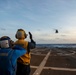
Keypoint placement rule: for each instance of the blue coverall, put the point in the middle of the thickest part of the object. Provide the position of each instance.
(8, 59)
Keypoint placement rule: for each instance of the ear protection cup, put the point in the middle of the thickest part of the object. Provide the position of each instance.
(25, 34)
(21, 31)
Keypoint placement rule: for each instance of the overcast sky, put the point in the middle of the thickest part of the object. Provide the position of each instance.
(41, 18)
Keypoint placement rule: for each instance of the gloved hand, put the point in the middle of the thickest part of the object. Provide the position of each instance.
(11, 43)
(30, 35)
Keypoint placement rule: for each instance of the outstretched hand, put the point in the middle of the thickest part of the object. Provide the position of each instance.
(30, 35)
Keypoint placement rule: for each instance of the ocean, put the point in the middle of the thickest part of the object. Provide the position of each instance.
(57, 45)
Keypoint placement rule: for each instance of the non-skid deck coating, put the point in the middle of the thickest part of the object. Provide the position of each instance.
(42, 64)
(48, 68)
(57, 72)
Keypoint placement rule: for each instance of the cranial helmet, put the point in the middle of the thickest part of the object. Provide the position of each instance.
(20, 34)
(5, 42)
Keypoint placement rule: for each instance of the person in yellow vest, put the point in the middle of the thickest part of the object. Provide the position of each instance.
(23, 63)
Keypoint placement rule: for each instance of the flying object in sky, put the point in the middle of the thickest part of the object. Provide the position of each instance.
(56, 31)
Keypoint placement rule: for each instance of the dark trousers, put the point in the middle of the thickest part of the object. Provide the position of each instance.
(23, 69)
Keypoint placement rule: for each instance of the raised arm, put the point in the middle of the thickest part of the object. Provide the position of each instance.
(32, 44)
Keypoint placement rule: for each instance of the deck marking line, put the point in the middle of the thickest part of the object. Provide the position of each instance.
(42, 64)
(56, 68)
(63, 69)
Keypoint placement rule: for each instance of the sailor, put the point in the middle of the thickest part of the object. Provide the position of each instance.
(8, 56)
(23, 63)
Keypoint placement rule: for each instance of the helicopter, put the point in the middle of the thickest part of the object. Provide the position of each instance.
(56, 31)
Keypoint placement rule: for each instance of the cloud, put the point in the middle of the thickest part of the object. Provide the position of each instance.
(40, 17)
(3, 29)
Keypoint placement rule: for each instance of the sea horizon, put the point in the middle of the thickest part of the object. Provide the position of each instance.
(72, 45)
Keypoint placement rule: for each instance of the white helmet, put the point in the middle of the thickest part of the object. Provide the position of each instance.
(5, 42)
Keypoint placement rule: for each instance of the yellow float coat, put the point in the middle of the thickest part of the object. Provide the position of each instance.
(25, 59)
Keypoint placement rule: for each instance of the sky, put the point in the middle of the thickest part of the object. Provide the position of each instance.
(41, 18)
